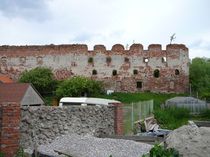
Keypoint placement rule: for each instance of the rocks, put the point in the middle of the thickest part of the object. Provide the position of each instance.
(190, 141)
(88, 146)
(44, 123)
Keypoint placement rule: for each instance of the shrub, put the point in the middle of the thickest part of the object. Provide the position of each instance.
(205, 114)
(1, 154)
(41, 78)
(160, 151)
(79, 86)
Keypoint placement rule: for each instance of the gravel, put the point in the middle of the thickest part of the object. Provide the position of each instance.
(190, 141)
(87, 146)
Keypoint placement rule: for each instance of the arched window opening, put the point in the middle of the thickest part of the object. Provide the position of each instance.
(94, 72)
(177, 72)
(135, 72)
(114, 72)
(156, 73)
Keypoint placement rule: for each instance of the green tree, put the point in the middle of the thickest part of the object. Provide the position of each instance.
(41, 78)
(200, 76)
(79, 86)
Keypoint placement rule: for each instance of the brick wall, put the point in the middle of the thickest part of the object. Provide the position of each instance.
(9, 126)
(118, 121)
(72, 60)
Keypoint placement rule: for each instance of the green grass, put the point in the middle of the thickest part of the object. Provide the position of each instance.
(128, 98)
(172, 118)
(167, 119)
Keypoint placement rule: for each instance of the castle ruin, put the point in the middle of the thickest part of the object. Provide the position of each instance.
(121, 70)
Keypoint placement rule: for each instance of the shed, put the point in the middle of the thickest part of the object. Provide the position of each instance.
(23, 93)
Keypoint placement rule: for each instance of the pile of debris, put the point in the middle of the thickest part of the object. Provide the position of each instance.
(87, 146)
(190, 141)
(149, 127)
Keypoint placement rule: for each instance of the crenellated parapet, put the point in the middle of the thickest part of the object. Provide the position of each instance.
(12, 51)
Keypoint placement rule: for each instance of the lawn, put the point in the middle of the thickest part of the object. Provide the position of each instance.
(128, 98)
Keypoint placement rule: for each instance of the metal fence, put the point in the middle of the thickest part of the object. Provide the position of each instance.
(136, 111)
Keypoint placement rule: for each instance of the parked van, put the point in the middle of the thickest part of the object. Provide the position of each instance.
(85, 101)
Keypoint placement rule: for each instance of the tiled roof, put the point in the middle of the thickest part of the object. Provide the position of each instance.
(5, 79)
(12, 92)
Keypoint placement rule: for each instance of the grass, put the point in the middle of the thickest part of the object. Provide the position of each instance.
(165, 117)
(172, 118)
(128, 98)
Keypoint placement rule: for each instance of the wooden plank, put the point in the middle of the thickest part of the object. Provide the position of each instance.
(144, 139)
(202, 123)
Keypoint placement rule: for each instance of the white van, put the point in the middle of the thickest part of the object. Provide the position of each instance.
(84, 101)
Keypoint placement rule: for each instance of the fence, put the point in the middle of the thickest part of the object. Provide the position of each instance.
(195, 106)
(136, 111)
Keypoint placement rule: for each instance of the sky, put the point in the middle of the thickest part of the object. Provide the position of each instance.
(107, 22)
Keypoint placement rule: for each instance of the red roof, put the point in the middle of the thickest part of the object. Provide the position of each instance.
(12, 92)
(5, 79)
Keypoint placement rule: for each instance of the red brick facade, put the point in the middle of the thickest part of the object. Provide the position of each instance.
(123, 70)
(9, 127)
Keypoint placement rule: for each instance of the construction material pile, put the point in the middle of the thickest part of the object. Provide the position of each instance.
(87, 146)
(190, 141)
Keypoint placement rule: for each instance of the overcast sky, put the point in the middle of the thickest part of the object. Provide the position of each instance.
(26, 22)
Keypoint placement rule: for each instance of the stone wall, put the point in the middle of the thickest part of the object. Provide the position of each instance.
(72, 60)
(43, 124)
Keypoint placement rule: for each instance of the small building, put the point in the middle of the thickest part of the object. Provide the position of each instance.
(23, 93)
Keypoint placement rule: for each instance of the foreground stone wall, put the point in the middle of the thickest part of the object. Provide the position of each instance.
(121, 69)
(43, 124)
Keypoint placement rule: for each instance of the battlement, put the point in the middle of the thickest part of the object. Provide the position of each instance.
(83, 49)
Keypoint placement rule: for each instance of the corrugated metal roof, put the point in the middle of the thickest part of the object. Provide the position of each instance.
(86, 100)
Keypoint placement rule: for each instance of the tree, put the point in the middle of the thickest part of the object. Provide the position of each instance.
(41, 78)
(79, 86)
(200, 76)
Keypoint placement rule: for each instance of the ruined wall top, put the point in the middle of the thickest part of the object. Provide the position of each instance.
(82, 48)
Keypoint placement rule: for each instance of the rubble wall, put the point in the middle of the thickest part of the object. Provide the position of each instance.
(40, 125)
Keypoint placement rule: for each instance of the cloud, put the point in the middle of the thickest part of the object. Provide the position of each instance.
(201, 44)
(27, 9)
(106, 22)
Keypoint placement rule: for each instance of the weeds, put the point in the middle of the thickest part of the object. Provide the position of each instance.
(172, 118)
(160, 151)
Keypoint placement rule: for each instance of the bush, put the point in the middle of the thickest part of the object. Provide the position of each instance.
(1, 154)
(205, 114)
(172, 118)
(79, 86)
(160, 151)
(41, 78)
